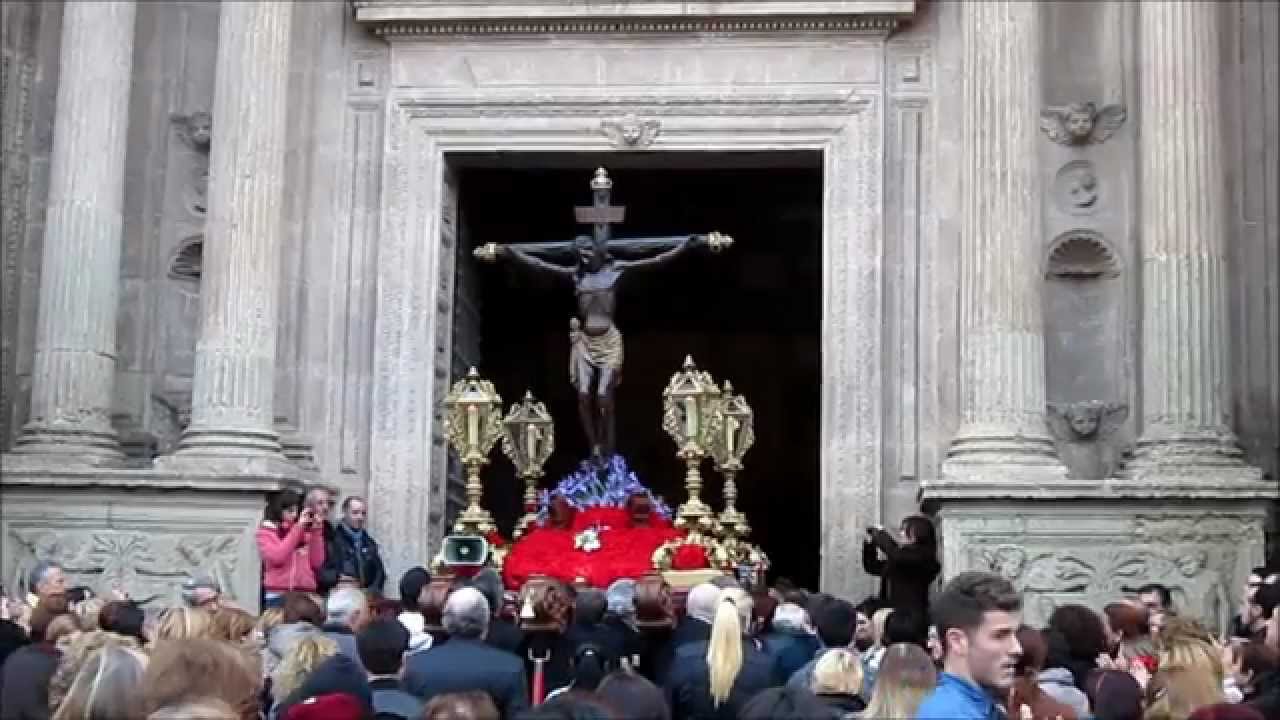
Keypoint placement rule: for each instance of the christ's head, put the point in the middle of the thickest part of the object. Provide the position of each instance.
(591, 254)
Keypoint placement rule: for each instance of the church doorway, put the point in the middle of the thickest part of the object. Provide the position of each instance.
(751, 315)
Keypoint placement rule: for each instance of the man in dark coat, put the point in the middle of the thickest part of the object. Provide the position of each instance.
(906, 570)
(466, 662)
(351, 556)
(383, 644)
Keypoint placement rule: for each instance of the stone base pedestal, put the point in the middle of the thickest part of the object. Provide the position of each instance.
(142, 530)
(1087, 541)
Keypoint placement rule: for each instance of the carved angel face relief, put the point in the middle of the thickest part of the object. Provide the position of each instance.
(200, 129)
(1080, 120)
(1086, 420)
(1081, 123)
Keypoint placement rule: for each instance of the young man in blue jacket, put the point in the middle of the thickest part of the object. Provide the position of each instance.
(977, 616)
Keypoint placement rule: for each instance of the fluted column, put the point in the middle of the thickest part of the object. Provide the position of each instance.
(1003, 426)
(1186, 426)
(233, 389)
(75, 355)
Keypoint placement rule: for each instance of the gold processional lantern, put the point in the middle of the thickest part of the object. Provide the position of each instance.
(728, 446)
(473, 424)
(690, 415)
(528, 439)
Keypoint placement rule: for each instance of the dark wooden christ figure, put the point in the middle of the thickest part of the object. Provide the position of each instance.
(596, 349)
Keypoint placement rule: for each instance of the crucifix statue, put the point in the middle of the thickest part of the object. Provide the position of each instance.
(595, 352)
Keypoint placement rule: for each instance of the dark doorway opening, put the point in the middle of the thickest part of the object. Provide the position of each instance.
(751, 315)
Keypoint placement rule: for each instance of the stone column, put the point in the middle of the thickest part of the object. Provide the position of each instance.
(75, 356)
(1186, 426)
(1003, 433)
(232, 395)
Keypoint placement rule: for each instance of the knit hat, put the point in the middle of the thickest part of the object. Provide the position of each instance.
(1114, 695)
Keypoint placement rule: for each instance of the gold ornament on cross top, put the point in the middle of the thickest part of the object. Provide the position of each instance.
(728, 446)
(690, 415)
(473, 424)
(528, 439)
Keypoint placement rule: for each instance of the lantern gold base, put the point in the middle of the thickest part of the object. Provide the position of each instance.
(474, 520)
(694, 513)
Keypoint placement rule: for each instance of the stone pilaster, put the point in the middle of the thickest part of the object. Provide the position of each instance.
(75, 356)
(232, 397)
(1186, 425)
(1002, 432)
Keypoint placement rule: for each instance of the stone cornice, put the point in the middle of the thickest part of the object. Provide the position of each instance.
(1223, 487)
(409, 18)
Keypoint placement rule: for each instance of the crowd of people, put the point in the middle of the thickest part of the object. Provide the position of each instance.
(330, 645)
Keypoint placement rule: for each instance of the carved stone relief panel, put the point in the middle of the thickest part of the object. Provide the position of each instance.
(141, 533)
(145, 564)
(1100, 553)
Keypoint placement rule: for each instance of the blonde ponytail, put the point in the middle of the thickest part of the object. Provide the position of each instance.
(724, 652)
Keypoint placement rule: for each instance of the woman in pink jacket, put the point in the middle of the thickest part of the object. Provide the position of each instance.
(292, 548)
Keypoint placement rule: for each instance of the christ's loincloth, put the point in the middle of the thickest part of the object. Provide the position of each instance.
(599, 351)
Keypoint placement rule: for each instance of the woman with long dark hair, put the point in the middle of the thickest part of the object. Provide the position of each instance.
(907, 569)
(291, 544)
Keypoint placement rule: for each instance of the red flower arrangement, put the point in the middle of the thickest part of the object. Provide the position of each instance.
(690, 557)
(625, 550)
(495, 539)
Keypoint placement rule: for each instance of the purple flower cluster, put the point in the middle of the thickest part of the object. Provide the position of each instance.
(589, 487)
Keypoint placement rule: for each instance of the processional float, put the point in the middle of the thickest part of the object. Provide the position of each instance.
(602, 504)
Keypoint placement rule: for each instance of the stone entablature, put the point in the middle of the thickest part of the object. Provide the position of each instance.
(419, 17)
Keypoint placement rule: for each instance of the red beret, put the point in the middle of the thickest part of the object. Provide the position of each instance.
(1224, 711)
(335, 706)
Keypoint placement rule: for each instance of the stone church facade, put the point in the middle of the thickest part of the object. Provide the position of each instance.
(1051, 252)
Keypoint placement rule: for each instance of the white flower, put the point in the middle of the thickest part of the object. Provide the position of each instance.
(588, 540)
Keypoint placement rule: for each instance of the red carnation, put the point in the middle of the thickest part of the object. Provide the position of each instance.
(690, 557)
(495, 539)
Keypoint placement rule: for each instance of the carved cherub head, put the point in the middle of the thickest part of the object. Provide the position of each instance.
(630, 131)
(1079, 120)
(1086, 420)
(197, 128)
(1081, 123)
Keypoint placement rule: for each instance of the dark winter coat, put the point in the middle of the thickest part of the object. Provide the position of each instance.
(27, 672)
(1265, 697)
(342, 558)
(464, 664)
(688, 685)
(906, 571)
(790, 650)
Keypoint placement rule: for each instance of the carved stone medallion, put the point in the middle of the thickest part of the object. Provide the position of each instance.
(1076, 188)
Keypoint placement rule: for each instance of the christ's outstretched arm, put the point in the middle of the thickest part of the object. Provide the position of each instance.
(686, 243)
(493, 251)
